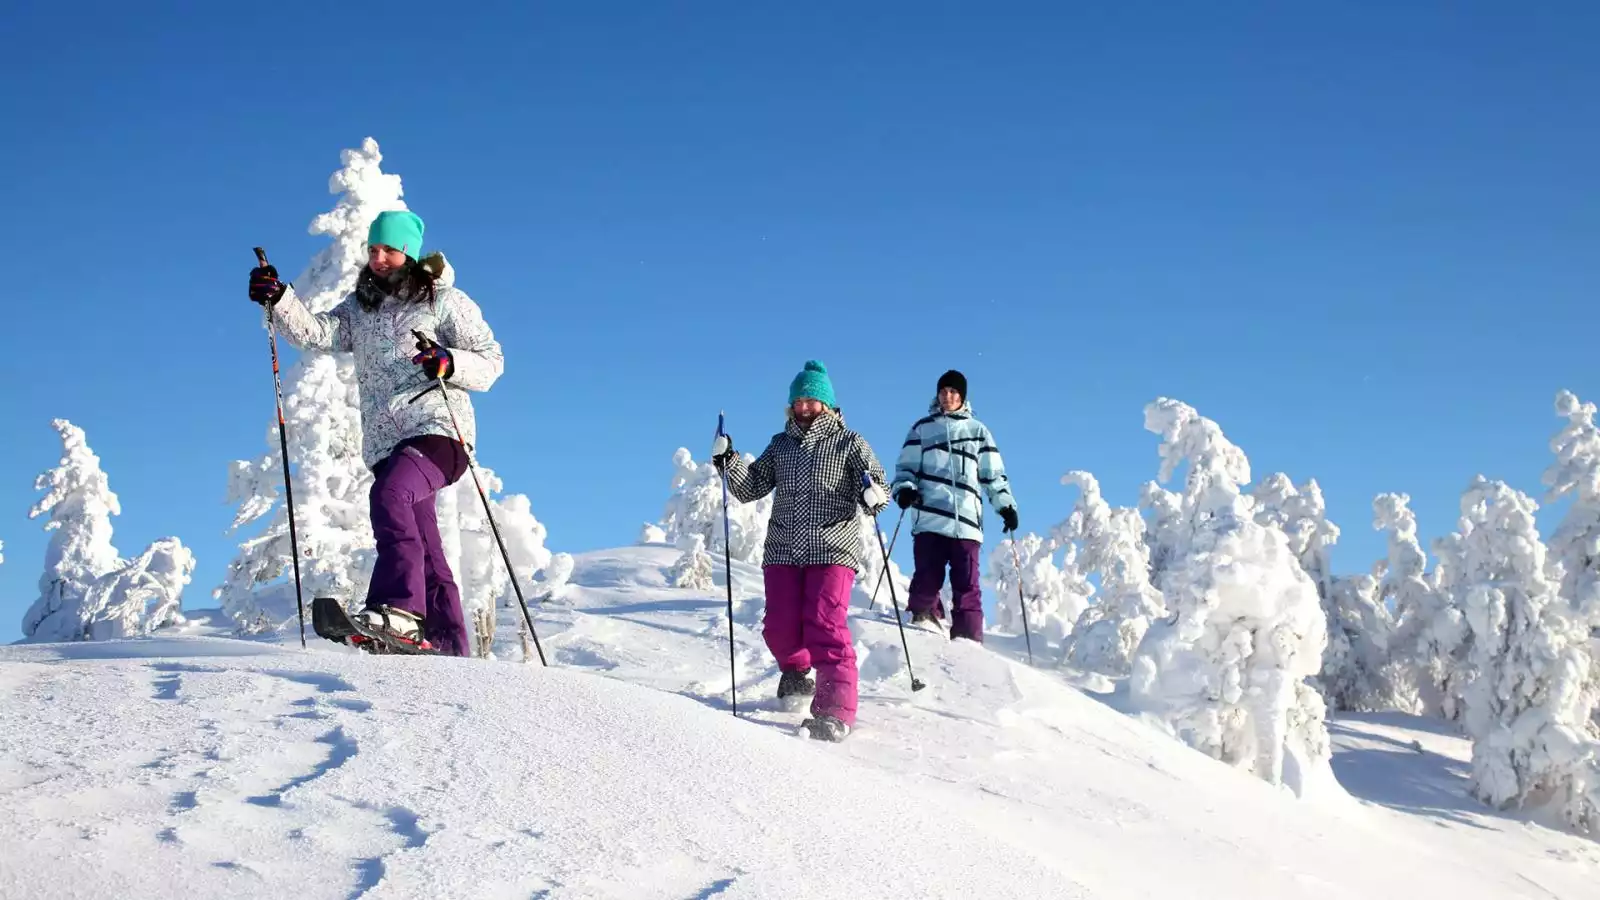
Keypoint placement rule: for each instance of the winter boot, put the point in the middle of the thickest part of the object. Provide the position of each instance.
(794, 688)
(394, 625)
(926, 620)
(826, 728)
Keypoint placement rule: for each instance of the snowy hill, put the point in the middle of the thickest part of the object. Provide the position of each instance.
(198, 766)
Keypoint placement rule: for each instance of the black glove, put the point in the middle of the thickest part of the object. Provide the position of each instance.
(436, 361)
(265, 288)
(907, 497)
(1009, 516)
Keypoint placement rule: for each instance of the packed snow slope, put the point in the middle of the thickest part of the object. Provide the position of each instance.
(195, 766)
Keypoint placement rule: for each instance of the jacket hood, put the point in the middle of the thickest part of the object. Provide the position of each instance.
(435, 264)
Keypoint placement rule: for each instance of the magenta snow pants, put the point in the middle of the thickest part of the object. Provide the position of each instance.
(412, 573)
(932, 552)
(806, 627)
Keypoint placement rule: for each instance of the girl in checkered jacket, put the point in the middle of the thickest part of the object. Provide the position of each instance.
(812, 554)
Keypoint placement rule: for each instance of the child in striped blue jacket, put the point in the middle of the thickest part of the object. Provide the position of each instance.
(948, 464)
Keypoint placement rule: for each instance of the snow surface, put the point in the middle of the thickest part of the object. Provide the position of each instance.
(186, 765)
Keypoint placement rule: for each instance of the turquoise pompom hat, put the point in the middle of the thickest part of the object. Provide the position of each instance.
(397, 228)
(813, 383)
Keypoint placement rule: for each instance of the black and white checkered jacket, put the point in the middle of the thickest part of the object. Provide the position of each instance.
(816, 473)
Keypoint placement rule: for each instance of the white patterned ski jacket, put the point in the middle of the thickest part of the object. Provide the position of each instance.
(396, 400)
(951, 459)
(816, 473)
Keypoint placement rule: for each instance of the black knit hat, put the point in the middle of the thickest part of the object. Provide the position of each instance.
(955, 380)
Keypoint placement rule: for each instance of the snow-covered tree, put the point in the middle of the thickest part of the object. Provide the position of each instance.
(1575, 546)
(1302, 516)
(554, 580)
(87, 591)
(80, 504)
(1163, 529)
(331, 482)
(1227, 672)
(871, 579)
(480, 569)
(692, 571)
(1451, 650)
(1355, 664)
(1357, 672)
(141, 595)
(651, 533)
(1429, 631)
(695, 508)
(1112, 545)
(1526, 707)
(1056, 594)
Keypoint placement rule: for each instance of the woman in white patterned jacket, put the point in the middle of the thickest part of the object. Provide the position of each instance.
(407, 438)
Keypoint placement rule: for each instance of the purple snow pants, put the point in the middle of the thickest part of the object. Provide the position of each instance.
(932, 552)
(805, 627)
(412, 573)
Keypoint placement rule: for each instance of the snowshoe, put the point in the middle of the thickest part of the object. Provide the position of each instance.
(384, 630)
(927, 621)
(826, 728)
(795, 688)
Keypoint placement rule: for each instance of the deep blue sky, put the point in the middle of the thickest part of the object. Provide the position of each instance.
(1361, 237)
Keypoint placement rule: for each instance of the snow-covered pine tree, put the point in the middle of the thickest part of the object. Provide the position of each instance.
(1112, 545)
(1227, 672)
(871, 578)
(1164, 525)
(1453, 662)
(1300, 513)
(331, 483)
(1575, 474)
(1526, 707)
(1575, 546)
(695, 508)
(1363, 678)
(1429, 630)
(87, 591)
(1056, 593)
(692, 571)
(80, 504)
(142, 594)
(1355, 665)
(480, 569)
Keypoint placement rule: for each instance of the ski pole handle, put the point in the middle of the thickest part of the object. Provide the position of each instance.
(261, 257)
(720, 416)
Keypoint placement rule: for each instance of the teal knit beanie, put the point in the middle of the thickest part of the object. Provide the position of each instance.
(397, 228)
(813, 382)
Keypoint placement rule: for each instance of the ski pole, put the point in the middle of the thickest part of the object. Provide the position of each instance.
(866, 482)
(1016, 560)
(885, 573)
(283, 446)
(727, 562)
(423, 343)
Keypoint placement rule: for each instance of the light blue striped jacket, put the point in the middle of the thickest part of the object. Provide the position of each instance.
(951, 458)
